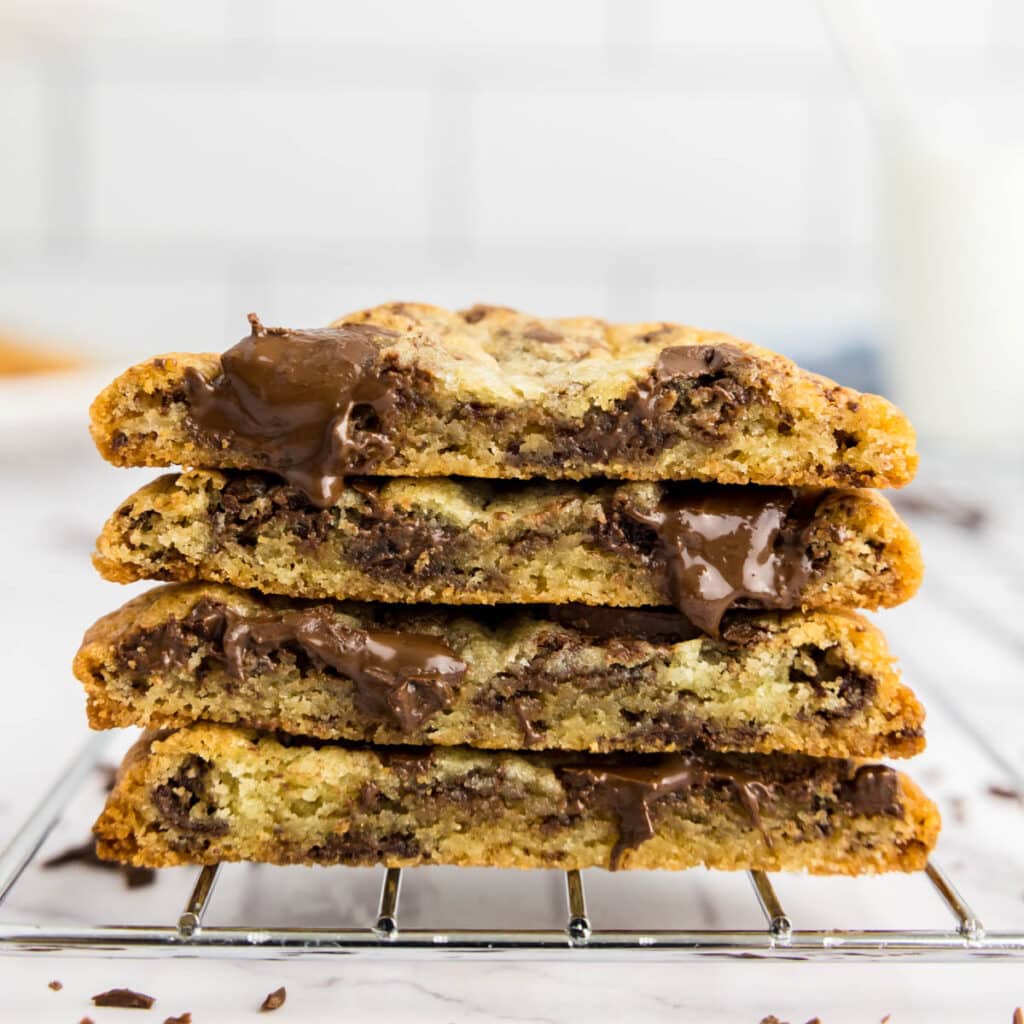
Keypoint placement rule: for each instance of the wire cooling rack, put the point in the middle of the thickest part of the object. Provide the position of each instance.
(384, 937)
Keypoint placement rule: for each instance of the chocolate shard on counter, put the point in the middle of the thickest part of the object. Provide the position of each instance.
(415, 390)
(324, 803)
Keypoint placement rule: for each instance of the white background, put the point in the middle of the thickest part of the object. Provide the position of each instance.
(165, 168)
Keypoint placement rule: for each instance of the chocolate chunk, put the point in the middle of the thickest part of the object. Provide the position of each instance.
(184, 1018)
(275, 1000)
(1005, 793)
(729, 544)
(393, 545)
(531, 737)
(629, 789)
(358, 848)
(55, 985)
(403, 676)
(85, 854)
(873, 790)
(409, 761)
(295, 398)
(124, 998)
(692, 391)
(399, 676)
(685, 731)
(604, 623)
(688, 361)
(539, 333)
(184, 792)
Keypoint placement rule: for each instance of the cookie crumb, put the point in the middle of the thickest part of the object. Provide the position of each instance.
(124, 998)
(185, 1018)
(86, 1020)
(886, 1019)
(55, 985)
(1018, 1016)
(274, 1001)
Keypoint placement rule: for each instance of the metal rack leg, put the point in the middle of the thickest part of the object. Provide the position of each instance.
(579, 923)
(192, 916)
(779, 925)
(387, 912)
(969, 924)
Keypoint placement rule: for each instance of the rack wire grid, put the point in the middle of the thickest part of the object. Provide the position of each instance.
(383, 937)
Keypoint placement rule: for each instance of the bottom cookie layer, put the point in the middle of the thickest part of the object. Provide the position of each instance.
(211, 793)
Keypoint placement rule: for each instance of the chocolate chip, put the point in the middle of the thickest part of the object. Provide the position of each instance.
(274, 1001)
(85, 854)
(124, 998)
(539, 333)
(1006, 793)
(184, 791)
(55, 985)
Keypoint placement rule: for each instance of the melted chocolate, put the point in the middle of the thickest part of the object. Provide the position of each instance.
(658, 412)
(292, 396)
(603, 623)
(410, 761)
(531, 737)
(406, 677)
(689, 361)
(629, 790)
(874, 789)
(732, 544)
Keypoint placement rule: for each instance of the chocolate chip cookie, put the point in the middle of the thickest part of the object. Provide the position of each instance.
(414, 390)
(209, 793)
(560, 677)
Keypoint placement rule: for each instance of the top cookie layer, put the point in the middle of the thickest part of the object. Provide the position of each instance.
(415, 390)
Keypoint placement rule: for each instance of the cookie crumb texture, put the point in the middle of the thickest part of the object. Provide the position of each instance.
(209, 793)
(475, 542)
(490, 392)
(562, 677)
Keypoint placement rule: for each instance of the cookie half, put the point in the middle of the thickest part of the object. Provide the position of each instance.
(704, 548)
(209, 793)
(563, 677)
(414, 390)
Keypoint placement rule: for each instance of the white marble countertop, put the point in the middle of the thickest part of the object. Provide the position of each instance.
(961, 643)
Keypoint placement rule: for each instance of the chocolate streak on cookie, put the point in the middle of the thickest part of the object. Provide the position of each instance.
(291, 397)
(406, 677)
(874, 789)
(729, 544)
(602, 623)
(629, 790)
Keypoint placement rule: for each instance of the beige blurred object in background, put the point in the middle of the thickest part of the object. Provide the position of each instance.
(24, 356)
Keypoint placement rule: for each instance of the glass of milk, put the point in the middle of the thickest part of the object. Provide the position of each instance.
(951, 203)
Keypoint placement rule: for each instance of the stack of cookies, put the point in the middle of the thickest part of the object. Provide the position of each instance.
(480, 588)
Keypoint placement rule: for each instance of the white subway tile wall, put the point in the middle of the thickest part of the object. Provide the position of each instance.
(166, 168)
